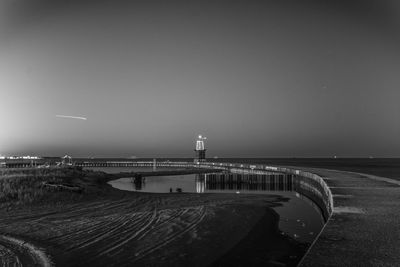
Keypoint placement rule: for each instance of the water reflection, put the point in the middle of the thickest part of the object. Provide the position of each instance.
(243, 182)
(138, 182)
(224, 182)
(300, 217)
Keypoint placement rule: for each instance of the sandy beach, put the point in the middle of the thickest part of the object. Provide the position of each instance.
(109, 227)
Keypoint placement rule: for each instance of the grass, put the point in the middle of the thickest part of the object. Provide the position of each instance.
(20, 186)
(26, 186)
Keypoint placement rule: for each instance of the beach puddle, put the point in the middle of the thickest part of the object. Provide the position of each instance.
(300, 217)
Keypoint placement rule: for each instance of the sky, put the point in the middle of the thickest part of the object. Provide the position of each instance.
(266, 78)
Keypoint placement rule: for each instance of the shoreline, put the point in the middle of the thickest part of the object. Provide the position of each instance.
(338, 243)
(98, 228)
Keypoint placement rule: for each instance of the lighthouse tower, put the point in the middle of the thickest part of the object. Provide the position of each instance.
(200, 149)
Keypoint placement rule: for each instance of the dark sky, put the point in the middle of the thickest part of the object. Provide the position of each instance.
(258, 78)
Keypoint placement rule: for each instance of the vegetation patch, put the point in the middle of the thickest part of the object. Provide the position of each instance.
(25, 186)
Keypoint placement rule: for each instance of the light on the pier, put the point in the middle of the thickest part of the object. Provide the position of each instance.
(200, 149)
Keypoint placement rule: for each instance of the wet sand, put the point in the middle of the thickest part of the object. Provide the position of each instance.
(109, 227)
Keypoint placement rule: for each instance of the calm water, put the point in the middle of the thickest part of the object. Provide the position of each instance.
(299, 217)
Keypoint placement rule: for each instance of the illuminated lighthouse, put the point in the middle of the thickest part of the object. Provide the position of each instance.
(200, 149)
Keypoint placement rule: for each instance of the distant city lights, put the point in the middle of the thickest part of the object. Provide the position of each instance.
(19, 157)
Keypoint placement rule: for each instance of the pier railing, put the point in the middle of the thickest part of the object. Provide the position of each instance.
(314, 186)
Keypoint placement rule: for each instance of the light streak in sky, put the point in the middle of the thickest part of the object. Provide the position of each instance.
(71, 117)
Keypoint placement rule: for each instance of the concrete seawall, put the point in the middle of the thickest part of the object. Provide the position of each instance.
(363, 225)
(318, 190)
(363, 229)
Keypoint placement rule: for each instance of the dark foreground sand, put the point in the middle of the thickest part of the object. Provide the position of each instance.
(117, 228)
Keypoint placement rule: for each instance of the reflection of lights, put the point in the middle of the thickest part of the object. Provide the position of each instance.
(200, 184)
(237, 192)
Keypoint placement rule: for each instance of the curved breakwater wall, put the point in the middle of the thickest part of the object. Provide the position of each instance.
(313, 187)
(307, 184)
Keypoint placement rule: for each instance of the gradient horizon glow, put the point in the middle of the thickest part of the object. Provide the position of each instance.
(258, 78)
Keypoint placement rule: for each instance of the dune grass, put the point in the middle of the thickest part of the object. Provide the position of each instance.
(23, 186)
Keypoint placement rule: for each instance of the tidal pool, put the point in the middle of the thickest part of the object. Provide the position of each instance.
(300, 217)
